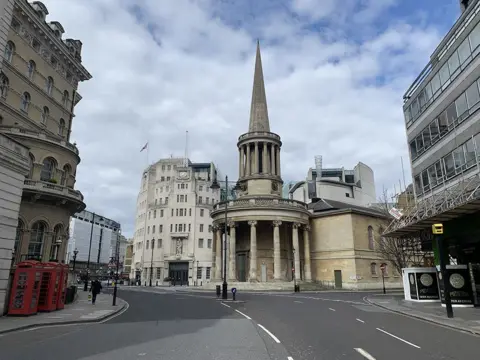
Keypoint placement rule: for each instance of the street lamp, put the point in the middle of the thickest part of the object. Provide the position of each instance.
(58, 242)
(151, 263)
(198, 262)
(85, 287)
(117, 259)
(75, 253)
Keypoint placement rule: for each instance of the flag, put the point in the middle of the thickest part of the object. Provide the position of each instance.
(143, 148)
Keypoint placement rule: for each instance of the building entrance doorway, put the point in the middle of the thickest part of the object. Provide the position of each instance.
(242, 267)
(178, 272)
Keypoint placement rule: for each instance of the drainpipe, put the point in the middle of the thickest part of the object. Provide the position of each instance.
(71, 115)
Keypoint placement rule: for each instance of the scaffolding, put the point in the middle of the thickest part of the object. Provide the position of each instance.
(460, 198)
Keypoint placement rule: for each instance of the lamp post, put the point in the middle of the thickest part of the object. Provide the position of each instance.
(151, 263)
(75, 253)
(117, 256)
(85, 287)
(58, 242)
(198, 262)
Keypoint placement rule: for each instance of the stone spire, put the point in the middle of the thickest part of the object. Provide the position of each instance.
(258, 111)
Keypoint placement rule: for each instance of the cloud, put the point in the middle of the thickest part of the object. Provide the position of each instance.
(335, 77)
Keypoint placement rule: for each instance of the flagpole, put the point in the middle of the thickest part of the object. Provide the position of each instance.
(148, 152)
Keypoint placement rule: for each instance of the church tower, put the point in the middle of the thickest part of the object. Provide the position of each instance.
(259, 149)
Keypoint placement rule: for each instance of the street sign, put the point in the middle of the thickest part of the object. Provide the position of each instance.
(437, 229)
(383, 267)
(234, 290)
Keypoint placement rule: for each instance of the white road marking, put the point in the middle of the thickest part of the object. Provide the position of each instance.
(269, 333)
(248, 317)
(332, 309)
(398, 338)
(225, 304)
(365, 354)
(298, 302)
(361, 321)
(289, 358)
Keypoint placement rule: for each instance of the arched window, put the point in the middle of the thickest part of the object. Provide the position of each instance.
(373, 268)
(45, 114)
(385, 270)
(37, 238)
(9, 51)
(371, 240)
(61, 127)
(18, 237)
(25, 101)
(4, 84)
(31, 69)
(31, 163)
(67, 170)
(148, 243)
(65, 98)
(48, 169)
(49, 85)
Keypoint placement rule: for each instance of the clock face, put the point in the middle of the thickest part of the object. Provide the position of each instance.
(183, 174)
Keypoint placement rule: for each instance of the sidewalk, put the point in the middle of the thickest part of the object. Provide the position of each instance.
(81, 311)
(465, 319)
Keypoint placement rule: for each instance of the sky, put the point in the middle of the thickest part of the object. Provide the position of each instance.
(335, 74)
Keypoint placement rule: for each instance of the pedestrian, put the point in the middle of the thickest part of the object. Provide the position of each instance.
(95, 290)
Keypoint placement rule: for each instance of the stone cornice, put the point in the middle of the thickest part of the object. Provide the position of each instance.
(13, 155)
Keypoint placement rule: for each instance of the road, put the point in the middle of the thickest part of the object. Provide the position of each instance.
(169, 325)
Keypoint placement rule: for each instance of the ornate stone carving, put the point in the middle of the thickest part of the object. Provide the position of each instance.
(296, 225)
(231, 223)
(214, 227)
(274, 186)
(178, 247)
(306, 227)
(252, 223)
(277, 223)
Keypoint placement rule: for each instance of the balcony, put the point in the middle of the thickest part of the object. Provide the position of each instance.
(32, 134)
(41, 191)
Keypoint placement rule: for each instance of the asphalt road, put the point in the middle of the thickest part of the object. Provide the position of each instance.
(170, 325)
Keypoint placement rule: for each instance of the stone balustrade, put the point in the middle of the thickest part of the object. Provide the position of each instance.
(261, 202)
(52, 188)
(258, 134)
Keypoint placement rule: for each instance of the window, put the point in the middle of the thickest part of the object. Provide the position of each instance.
(15, 25)
(160, 228)
(19, 234)
(210, 228)
(201, 212)
(159, 243)
(4, 83)
(200, 243)
(462, 107)
(172, 212)
(148, 244)
(48, 169)
(153, 229)
(373, 269)
(66, 175)
(37, 237)
(200, 200)
(148, 230)
(199, 273)
(190, 212)
(154, 214)
(434, 130)
(171, 227)
(36, 44)
(207, 273)
(371, 239)
(61, 127)
(53, 61)
(45, 114)
(9, 51)
(473, 95)
(49, 85)
(25, 101)
(201, 227)
(200, 188)
(209, 243)
(469, 153)
(161, 213)
(464, 51)
(65, 98)
(449, 166)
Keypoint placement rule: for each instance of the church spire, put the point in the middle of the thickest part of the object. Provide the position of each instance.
(258, 111)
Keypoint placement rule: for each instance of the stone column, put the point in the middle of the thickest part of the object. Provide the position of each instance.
(265, 159)
(218, 254)
(277, 158)
(249, 160)
(306, 242)
(257, 162)
(232, 261)
(296, 248)
(272, 159)
(253, 250)
(243, 161)
(277, 266)
(240, 158)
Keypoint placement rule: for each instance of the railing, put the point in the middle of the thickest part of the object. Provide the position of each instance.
(53, 189)
(259, 133)
(38, 135)
(261, 202)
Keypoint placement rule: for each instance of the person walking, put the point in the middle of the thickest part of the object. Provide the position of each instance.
(95, 290)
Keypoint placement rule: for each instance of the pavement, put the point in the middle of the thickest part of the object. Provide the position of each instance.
(80, 311)
(465, 319)
(171, 325)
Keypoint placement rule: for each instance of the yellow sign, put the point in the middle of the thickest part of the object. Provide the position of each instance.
(437, 229)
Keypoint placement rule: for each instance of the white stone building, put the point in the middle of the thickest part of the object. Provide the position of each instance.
(356, 186)
(14, 166)
(173, 233)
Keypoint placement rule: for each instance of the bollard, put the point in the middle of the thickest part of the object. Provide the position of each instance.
(218, 290)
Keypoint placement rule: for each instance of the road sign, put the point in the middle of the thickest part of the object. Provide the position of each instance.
(234, 290)
(383, 267)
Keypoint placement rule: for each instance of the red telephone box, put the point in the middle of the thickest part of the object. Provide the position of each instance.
(62, 292)
(25, 288)
(50, 285)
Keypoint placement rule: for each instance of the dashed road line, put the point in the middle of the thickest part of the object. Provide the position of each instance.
(332, 309)
(298, 302)
(225, 304)
(269, 333)
(398, 338)
(365, 354)
(248, 317)
(289, 358)
(360, 321)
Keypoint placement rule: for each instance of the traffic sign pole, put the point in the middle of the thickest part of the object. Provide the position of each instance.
(382, 268)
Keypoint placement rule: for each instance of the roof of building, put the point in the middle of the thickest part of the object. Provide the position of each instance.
(324, 207)
(258, 111)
